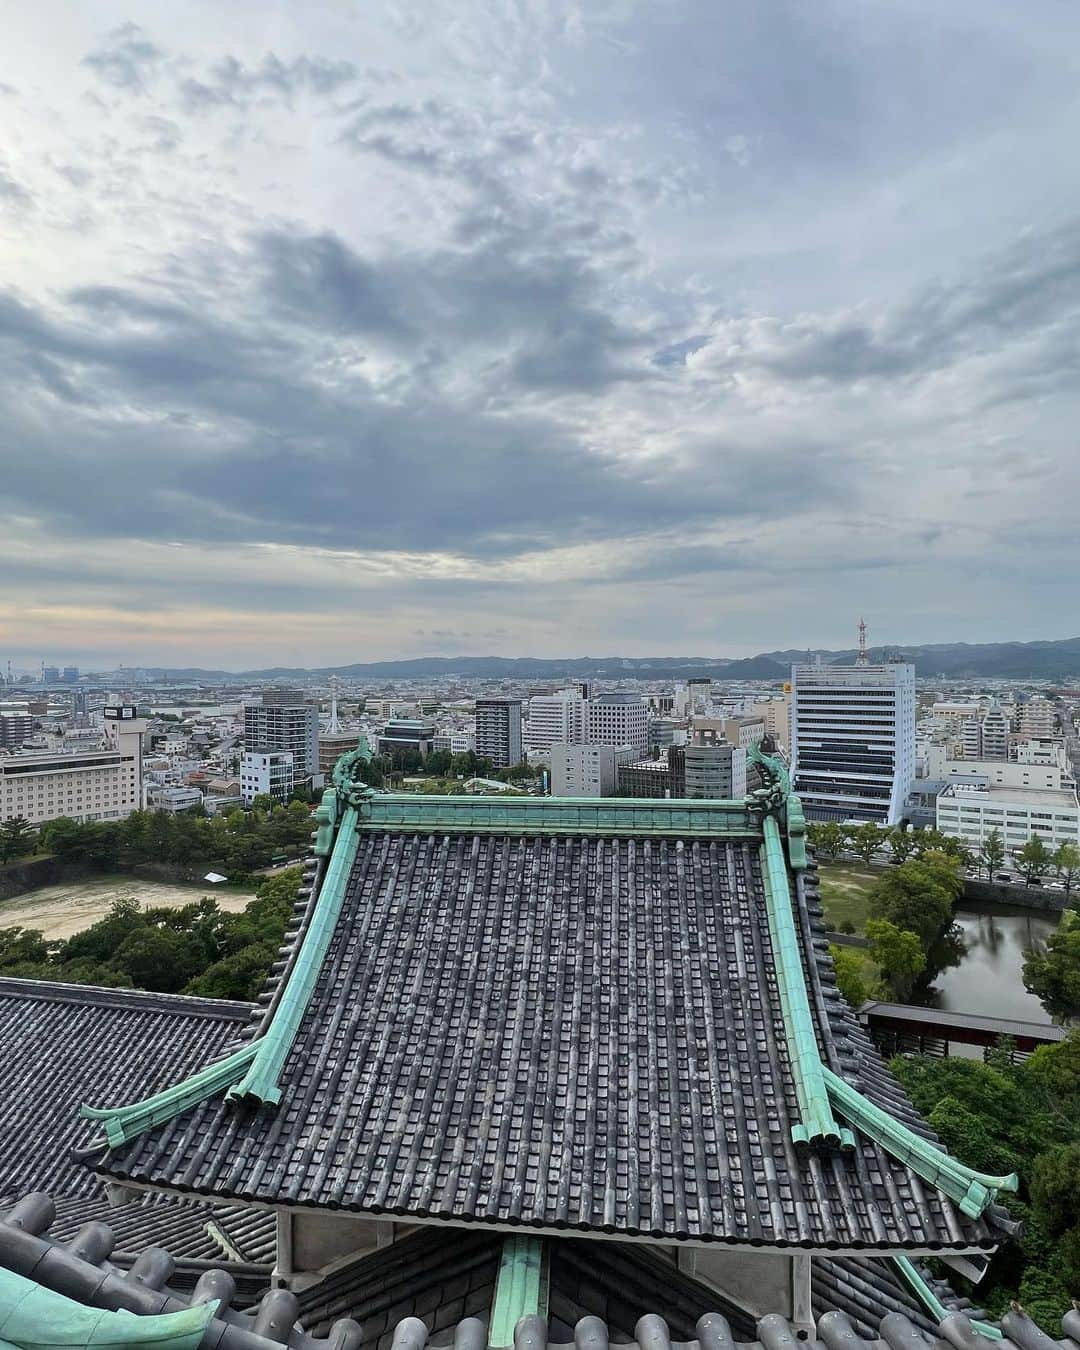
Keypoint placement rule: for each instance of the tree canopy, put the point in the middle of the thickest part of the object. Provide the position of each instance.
(197, 948)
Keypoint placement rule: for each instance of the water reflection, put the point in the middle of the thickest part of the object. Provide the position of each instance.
(979, 966)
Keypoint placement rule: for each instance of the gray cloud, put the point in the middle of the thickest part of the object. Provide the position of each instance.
(614, 321)
(126, 59)
(231, 83)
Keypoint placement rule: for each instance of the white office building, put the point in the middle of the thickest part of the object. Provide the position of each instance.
(617, 719)
(853, 740)
(556, 719)
(970, 813)
(98, 784)
(266, 773)
(587, 770)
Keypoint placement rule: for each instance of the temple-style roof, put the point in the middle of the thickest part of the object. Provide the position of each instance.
(63, 1043)
(602, 1016)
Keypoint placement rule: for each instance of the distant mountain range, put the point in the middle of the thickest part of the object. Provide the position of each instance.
(1002, 660)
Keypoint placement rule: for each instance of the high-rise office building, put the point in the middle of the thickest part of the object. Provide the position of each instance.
(556, 719)
(498, 731)
(617, 719)
(853, 740)
(285, 720)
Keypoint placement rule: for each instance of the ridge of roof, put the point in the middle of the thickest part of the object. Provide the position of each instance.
(102, 996)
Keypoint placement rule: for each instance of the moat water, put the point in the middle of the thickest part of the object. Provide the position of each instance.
(988, 980)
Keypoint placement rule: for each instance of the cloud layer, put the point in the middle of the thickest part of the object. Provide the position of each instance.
(543, 328)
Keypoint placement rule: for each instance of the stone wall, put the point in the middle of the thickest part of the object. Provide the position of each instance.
(30, 874)
(1014, 893)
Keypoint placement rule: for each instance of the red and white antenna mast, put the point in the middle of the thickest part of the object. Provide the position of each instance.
(860, 660)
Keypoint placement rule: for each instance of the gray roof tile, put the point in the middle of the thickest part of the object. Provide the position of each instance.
(565, 1033)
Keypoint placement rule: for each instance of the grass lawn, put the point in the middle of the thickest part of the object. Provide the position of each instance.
(845, 892)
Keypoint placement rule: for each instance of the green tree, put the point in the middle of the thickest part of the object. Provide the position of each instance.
(1066, 861)
(965, 1134)
(899, 953)
(918, 896)
(17, 838)
(828, 837)
(101, 940)
(1035, 859)
(262, 801)
(158, 959)
(866, 839)
(992, 853)
(20, 946)
(849, 975)
(901, 844)
(1055, 1196)
(241, 975)
(1053, 976)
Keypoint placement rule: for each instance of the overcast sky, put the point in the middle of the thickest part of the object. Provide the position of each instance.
(342, 331)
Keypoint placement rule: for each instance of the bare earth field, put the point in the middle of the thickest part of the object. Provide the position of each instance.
(59, 911)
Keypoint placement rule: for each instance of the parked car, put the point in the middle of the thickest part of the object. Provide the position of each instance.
(1004, 876)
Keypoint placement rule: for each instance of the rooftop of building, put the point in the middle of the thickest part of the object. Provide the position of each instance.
(1014, 796)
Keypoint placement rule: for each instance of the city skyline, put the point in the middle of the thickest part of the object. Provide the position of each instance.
(565, 327)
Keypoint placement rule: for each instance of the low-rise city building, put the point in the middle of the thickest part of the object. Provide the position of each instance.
(587, 770)
(266, 773)
(971, 812)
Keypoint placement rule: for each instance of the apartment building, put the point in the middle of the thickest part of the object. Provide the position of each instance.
(556, 719)
(498, 731)
(286, 720)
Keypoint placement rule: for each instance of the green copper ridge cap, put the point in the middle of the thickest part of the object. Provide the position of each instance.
(818, 1126)
(973, 1191)
(521, 1288)
(35, 1318)
(775, 797)
(412, 812)
(934, 1305)
(260, 1083)
(123, 1123)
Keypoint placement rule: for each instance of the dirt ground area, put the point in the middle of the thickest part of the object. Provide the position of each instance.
(59, 911)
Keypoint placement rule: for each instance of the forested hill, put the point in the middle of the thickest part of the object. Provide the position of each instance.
(1059, 660)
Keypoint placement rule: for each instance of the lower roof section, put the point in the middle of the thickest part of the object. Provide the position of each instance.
(579, 1032)
(61, 1044)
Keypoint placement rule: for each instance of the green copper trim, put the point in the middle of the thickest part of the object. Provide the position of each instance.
(35, 1318)
(934, 1305)
(125, 1122)
(555, 815)
(260, 1083)
(818, 1126)
(521, 1289)
(971, 1190)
